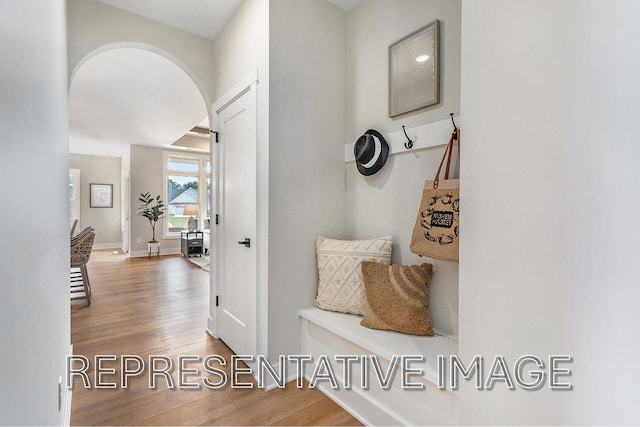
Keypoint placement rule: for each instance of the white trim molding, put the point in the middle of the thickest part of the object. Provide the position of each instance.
(67, 397)
(237, 90)
(201, 176)
(99, 246)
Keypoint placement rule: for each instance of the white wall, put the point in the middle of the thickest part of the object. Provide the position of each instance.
(299, 50)
(106, 221)
(307, 49)
(239, 49)
(34, 237)
(243, 46)
(372, 26)
(147, 176)
(94, 25)
(550, 97)
(387, 203)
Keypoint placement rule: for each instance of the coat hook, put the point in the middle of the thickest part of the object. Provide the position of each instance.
(409, 144)
(455, 128)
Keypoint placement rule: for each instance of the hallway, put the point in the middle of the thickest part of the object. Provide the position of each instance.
(158, 306)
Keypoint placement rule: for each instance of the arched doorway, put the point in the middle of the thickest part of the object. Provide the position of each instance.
(123, 94)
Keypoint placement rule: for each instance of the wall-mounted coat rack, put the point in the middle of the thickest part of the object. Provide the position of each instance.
(409, 144)
(422, 137)
(455, 128)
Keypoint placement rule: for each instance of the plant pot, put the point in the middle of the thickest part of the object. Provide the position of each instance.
(153, 248)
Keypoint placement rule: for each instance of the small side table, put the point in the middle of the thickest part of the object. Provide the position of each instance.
(192, 243)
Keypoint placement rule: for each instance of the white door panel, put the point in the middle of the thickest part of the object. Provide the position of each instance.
(237, 207)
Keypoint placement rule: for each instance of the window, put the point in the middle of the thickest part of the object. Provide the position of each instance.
(187, 192)
(74, 195)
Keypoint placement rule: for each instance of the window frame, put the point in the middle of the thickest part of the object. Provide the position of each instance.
(202, 176)
(74, 202)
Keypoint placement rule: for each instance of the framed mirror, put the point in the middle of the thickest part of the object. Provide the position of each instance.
(101, 195)
(414, 80)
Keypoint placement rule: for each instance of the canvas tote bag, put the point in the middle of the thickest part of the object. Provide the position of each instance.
(436, 231)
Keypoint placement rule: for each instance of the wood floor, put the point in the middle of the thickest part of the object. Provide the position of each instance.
(158, 306)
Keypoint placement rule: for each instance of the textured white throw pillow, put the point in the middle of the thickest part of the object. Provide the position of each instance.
(340, 284)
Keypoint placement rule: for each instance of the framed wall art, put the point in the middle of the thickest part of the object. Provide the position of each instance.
(414, 80)
(101, 195)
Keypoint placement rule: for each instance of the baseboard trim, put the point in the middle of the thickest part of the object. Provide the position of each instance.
(270, 384)
(359, 407)
(66, 399)
(211, 327)
(107, 245)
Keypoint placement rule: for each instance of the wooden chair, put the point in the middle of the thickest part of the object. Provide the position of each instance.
(81, 247)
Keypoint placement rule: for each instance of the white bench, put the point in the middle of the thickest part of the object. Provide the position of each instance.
(328, 333)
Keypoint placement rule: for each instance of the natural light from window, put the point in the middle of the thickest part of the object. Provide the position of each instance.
(185, 197)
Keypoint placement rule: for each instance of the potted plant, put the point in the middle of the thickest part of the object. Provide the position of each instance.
(153, 209)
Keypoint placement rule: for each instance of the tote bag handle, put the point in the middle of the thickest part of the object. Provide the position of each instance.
(447, 155)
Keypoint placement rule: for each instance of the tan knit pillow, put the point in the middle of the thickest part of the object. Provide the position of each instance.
(340, 286)
(397, 297)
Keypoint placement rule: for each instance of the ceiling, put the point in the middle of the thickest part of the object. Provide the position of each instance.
(205, 18)
(132, 96)
(345, 4)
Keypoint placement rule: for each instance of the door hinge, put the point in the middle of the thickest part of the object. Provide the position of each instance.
(217, 300)
(216, 133)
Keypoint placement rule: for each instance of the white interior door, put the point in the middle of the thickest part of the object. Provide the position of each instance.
(236, 267)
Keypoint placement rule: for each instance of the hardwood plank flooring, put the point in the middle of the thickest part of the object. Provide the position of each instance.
(159, 306)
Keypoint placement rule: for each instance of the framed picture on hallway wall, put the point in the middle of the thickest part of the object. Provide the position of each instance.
(414, 77)
(101, 195)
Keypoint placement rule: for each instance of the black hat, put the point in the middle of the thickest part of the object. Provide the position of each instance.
(371, 151)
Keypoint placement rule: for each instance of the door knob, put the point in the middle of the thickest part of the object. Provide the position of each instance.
(246, 242)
